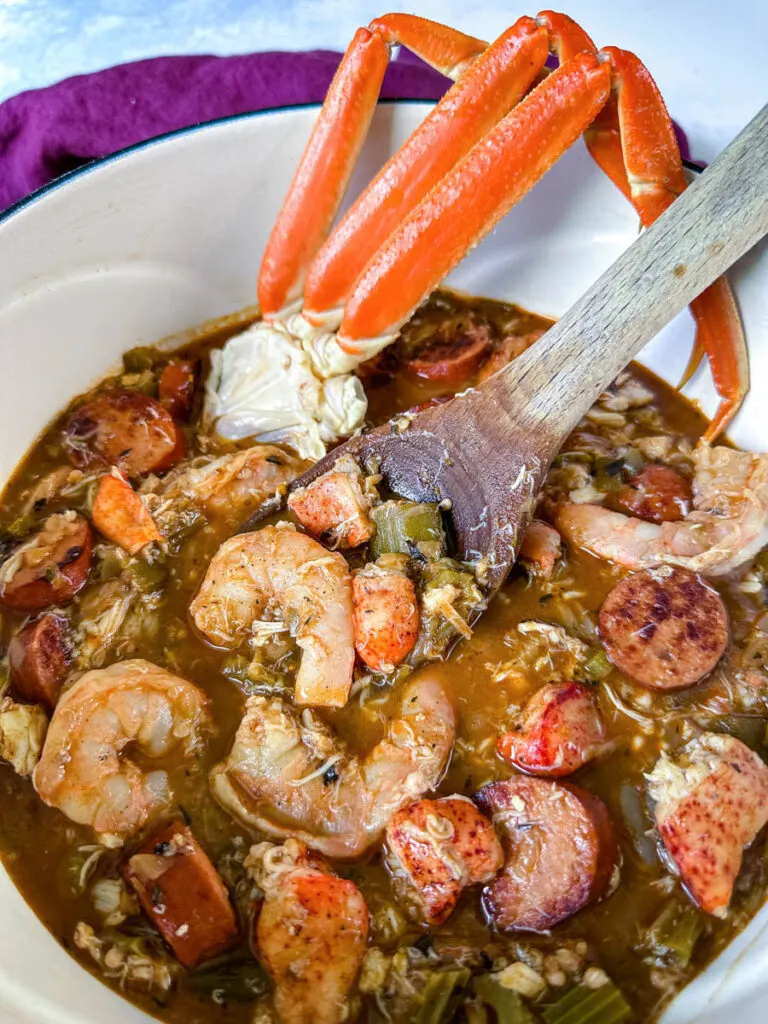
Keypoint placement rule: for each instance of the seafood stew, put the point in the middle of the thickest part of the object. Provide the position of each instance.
(285, 776)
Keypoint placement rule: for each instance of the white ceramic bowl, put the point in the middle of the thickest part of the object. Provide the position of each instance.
(169, 234)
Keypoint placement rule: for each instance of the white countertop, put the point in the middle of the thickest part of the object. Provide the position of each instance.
(708, 57)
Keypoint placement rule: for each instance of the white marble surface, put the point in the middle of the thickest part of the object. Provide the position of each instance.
(708, 56)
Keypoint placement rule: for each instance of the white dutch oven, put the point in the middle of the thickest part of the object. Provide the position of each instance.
(169, 234)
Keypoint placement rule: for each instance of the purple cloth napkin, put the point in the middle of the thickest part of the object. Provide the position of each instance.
(45, 132)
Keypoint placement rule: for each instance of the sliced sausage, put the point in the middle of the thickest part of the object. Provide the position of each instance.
(334, 508)
(38, 658)
(452, 361)
(657, 494)
(50, 567)
(665, 628)
(506, 350)
(121, 516)
(560, 850)
(435, 849)
(711, 802)
(176, 389)
(561, 730)
(125, 429)
(182, 894)
(385, 615)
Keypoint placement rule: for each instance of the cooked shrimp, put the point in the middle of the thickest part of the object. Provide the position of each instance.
(229, 488)
(290, 776)
(310, 932)
(728, 526)
(385, 613)
(83, 770)
(279, 572)
(540, 548)
(336, 506)
(436, 848)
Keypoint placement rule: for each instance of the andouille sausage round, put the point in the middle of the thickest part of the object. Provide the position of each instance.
(665, 628)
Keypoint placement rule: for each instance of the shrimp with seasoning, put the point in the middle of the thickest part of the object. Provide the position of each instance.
(83, 769)
(310, 932)
(728, 526)
(278, 571)
(290, 776)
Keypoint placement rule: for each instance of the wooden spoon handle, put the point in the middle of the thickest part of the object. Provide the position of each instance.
(714, 222)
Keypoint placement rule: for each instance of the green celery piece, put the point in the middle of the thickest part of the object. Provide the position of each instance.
(675, 932)
(143, 357)
(509, 1006)
(147, 576)
(408, 528)
(605, 1005)
(436, 997)
(597, 666)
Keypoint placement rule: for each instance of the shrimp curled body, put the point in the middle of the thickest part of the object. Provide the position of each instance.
(290, 776)
(728, 526)
(278, 570)
(83, 771)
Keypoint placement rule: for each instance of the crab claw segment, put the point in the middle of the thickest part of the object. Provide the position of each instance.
(633, 141)
(321, 179)
(446, 50)
(473, 197)
(722, 338)
(567, 37)
(496, 81)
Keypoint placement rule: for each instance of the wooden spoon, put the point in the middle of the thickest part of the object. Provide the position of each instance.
(488, 449)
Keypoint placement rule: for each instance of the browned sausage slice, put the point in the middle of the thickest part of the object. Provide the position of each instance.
(125, 429)
(50, 567)
(182, 893)
(665, 628)
(560, 852)
(435, 849)
(452, 360)
(657, 494)
(712, 800)
(38, 657)
(561, 730)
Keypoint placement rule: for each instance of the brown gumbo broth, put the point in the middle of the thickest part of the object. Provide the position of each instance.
(56, 863)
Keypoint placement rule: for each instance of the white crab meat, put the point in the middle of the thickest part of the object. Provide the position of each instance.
(264, 385)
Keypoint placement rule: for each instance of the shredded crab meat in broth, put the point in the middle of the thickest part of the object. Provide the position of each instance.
(293, 775)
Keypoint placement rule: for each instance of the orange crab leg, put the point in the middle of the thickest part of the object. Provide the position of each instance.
(489, 88)
(467, 203)
(318, 186)
(633, 141)
(446, 50)
(319, 183)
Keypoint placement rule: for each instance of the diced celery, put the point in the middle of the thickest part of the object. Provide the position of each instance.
(236, 666)
(604, 1005)
(21, 526)
(612, 474)
(750, 729)
(438, 996)
(462, 599)
(147, 576)
(241, 980)
(675, 932)
(508, 1004)
(143, 357)
(408, 528)
(597, 665)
